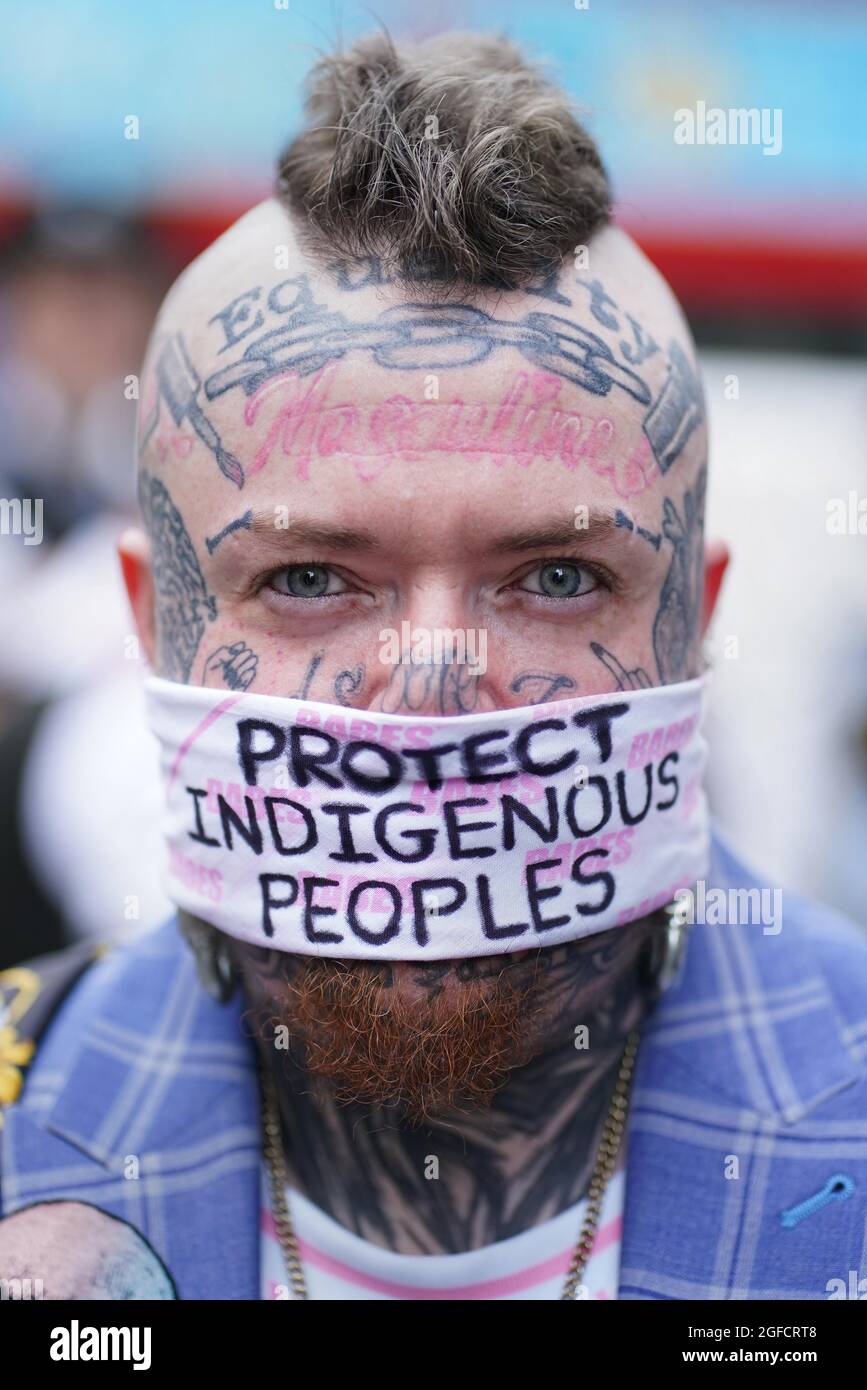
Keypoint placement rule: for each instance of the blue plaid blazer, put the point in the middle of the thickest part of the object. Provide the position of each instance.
(755, 1054)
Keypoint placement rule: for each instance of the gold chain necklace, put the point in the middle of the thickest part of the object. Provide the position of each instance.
(606, 1157)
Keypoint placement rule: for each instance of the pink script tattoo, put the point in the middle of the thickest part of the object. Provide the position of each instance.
(527, 423)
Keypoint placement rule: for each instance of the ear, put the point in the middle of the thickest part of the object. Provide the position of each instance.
(135, 562)
(716, 560)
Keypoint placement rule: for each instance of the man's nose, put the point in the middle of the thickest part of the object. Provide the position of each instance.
(435, 661)
(436, 603)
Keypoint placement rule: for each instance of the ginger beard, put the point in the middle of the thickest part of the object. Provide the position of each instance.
(373, 1036)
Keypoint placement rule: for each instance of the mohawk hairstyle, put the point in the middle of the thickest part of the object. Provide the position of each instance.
(452, 160)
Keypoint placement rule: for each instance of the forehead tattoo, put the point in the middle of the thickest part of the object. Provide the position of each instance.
(285, 331)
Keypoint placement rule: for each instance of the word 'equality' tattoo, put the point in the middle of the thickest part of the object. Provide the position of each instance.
(183, 601)
(368, 272)
(286, 333)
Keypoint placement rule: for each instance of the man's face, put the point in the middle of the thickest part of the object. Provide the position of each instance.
(365, 473)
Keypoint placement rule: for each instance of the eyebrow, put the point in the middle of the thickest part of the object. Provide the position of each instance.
(312, 533)
(558, 531)
(600, 526)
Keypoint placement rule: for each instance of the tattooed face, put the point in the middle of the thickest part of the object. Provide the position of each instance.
(328, 457)
(391, 500)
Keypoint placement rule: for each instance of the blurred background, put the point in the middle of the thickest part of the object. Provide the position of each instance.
(132, 134)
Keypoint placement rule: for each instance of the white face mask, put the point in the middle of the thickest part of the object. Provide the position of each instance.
(329, 831)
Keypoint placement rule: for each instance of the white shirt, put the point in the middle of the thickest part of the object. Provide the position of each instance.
(341, 1265)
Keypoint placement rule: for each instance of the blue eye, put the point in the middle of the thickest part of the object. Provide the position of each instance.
(557, 579)
(307, 581)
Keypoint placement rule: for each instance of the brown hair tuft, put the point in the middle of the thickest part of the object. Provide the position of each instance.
(452, 160)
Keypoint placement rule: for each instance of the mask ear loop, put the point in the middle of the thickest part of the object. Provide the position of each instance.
(667, 947)
(212, 955)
